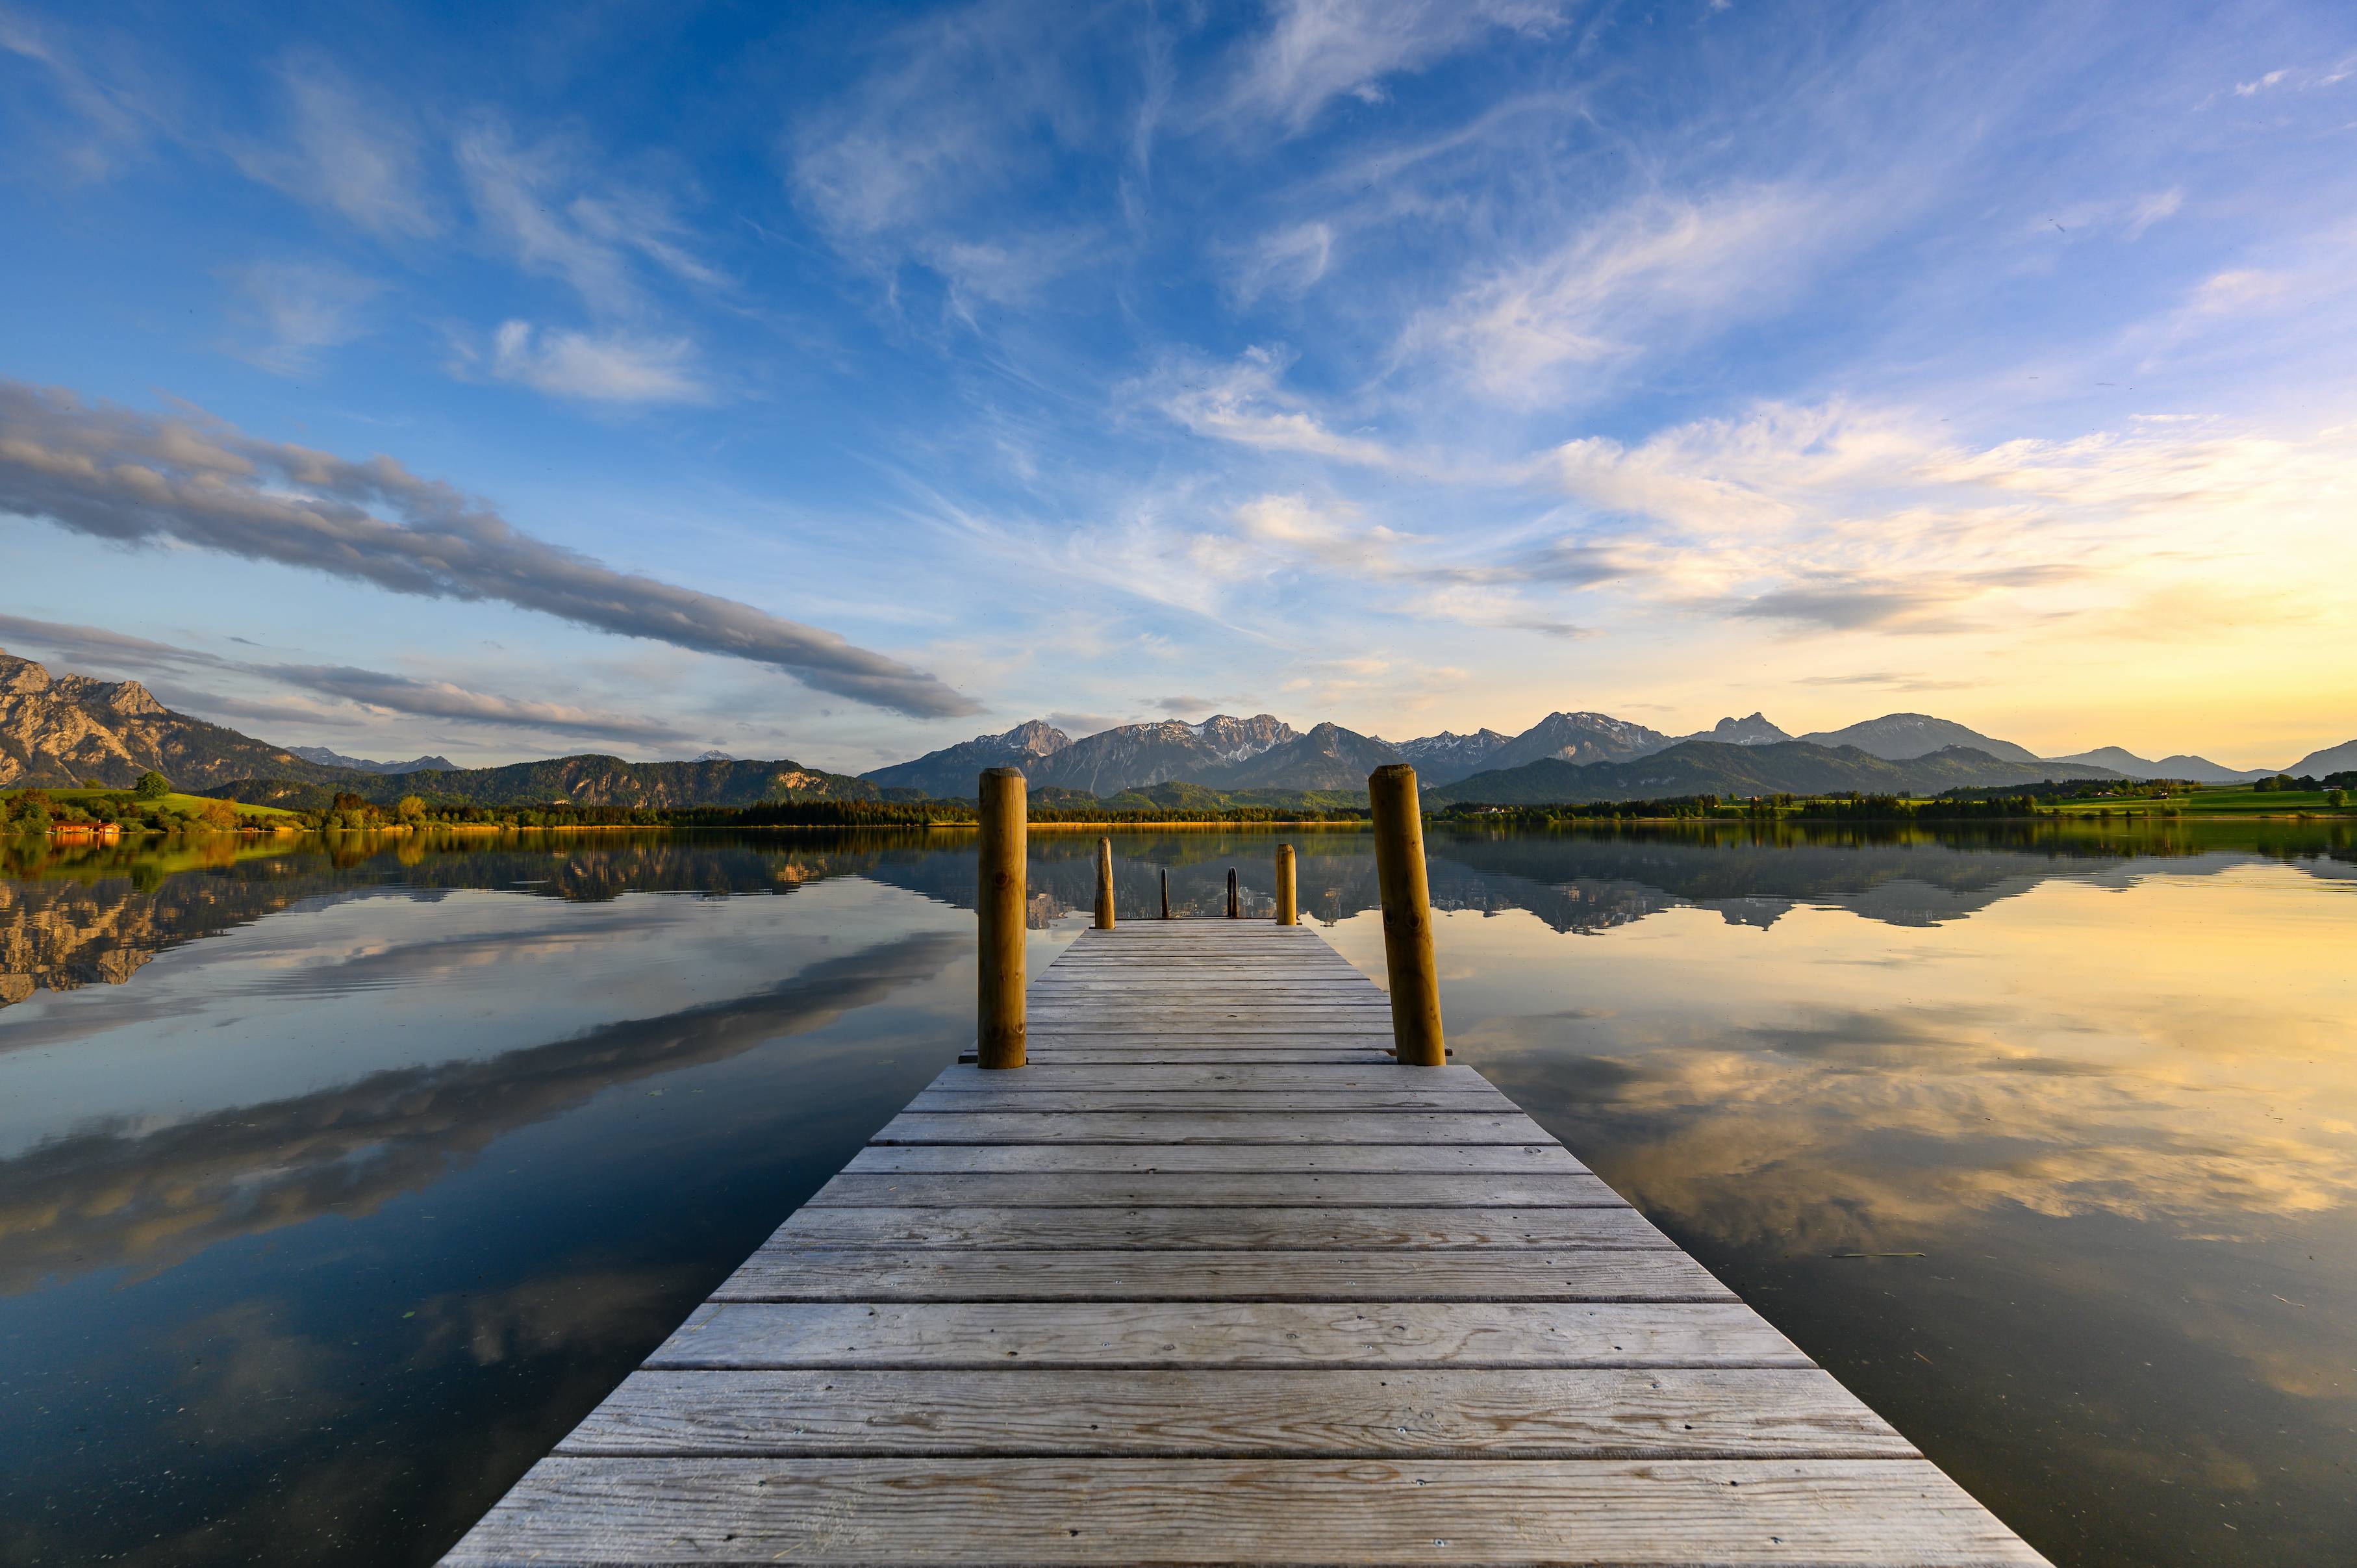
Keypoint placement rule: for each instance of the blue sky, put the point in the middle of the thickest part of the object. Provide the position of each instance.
(838, 382)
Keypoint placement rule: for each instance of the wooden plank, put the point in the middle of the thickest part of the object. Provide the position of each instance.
(1224, 1334)
(1049, 1053)
(1172, 1020)
(1448, 1413)
(1407, 1095)
(1211, 1127)
(1273, 1075)
(1158, 981)
(1225, 1039)
(1226, 1190)
(1513, 1159)
(1777, 1513)
(787, 1274)
(1214, 1230)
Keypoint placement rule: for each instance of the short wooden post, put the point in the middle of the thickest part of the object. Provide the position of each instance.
(1104, 885)
(1236, 909)
(1000, 901)
(1166, 891)
(1407, 917)
(1286, 912)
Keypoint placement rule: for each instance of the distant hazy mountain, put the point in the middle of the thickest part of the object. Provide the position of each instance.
(1445, 758)
(1894, 738)
(1131, 755)
(955, 772)
(2201, 769)
(1328, 757)
(1579, 737)
(326, 758)
(1716, 767)
(69, 729)
(2339, 759)
(1753, 731)
(587, 781)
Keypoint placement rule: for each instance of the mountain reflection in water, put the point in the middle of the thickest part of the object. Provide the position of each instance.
(315, 1231)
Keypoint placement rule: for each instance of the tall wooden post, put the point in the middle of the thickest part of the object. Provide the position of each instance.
(999, 902)
(1407, 917)
(1166, 891)
(1104, 885)
(1235, 907)
(1287, 914)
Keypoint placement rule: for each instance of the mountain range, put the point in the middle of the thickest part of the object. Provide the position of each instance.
(1266, 753)
(2201, 769)
(1716, 768)
(326, 758)
(69, 729)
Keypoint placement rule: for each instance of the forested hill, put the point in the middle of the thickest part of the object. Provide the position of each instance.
(587, 781)
(1711, 767)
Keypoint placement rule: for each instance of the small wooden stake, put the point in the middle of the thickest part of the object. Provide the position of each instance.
(1166, 891)
(1407, 917)
(1104, 885)
(1286, 913)
(999, 902)
(1236, 909)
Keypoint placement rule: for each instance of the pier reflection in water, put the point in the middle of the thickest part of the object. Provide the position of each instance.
(339, 1178)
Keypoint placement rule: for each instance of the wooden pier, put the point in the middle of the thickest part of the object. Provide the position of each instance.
(1212, 1279)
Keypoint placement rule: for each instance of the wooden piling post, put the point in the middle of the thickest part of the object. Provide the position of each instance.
(1407, 917)
(1104, 885)
(999, 902)
(1166, 891)
(1236, 909)
(1287, 913)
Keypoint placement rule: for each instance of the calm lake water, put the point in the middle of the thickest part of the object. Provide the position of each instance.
(317, 1230)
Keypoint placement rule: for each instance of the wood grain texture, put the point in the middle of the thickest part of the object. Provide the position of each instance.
(1225, 1334)
(1344, 1054)
(1221, 1228)
(1210, 1127)
(1227, 1190)
(1779, 1513)
(1248, 1075)
(782, 1273)
(1401, 1092)
(1045, 1159)
(1445, 1413)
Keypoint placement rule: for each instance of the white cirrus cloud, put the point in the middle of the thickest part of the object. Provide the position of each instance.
(1315, 52)
(1246, 402)
(1655, 270)
(602, 366)
(547, 206)
(299, 310)
(346, 150)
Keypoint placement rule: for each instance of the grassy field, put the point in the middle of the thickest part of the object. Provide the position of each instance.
(2219, 802)
(177, 801)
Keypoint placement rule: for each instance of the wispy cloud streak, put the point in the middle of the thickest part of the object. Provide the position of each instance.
(118, 474)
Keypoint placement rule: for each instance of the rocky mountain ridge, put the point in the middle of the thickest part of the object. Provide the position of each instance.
(63, 730)
(1129, 755)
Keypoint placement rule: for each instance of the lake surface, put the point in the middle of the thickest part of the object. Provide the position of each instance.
(340, 1177)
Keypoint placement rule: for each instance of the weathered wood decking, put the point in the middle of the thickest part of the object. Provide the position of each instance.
(1213, 1281)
